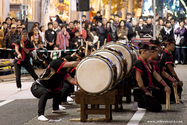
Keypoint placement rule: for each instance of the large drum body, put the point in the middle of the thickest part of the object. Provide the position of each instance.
(117, 58)
(96, 74)
(128, 53)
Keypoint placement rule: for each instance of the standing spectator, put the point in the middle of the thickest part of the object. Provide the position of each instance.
(108, 36)
(76, 40)
(122, 31)
(69, 29)
(36, 38)
(23, 26)
(19, 23)
(50, 36)
(63, 38)
(98, 17)
(9, 22)
(1, 42)
(77, 27)
(139, 27)
(113, 28)
(11, 37)
(5, 29)
(103, 31)
(19, 30)
(128, 22)
(42, 33)
(31, 33)
(133, 31)
(55, 27)
(149, 27)
(167, 31)
(58, 20)
(84, 19)
(181, 41)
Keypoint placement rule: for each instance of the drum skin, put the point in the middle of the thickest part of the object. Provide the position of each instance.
(117, 58)
(96, 75)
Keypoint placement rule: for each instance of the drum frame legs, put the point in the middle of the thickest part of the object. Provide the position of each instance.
(108, 99)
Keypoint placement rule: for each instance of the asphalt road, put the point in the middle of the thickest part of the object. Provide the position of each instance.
(20, 108)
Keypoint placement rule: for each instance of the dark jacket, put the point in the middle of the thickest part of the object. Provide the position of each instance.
(11, 38)
(166, 34)
(182, 33)
(132, 32)
(148, 29)
(103, 34)
(122, 32)
(98, 18)
(113, 32)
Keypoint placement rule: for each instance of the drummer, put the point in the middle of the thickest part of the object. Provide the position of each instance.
(171, 82)
(167, 62)
(145, 93)
(50, 83)
(157, 44)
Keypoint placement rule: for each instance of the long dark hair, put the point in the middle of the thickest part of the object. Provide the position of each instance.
(120, 24)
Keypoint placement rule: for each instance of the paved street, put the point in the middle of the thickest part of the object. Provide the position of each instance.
(18, 108)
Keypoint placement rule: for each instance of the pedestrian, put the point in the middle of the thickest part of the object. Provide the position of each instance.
(181, 41)
(63, 38)
(167, 31)
(122, 31)
(11, 37)
(50, 83)
(98, 17)
(23, 48)
(50, 37)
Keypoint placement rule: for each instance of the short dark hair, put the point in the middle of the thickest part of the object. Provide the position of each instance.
(24, 31)
(75, 21)
(181, 21)
(116, 15)
(8, 18)
(55, 46)
(64, 25)
(168, 21)
(98, 12)
(50, 23)
(4, 23)
(76, 31)
(84, 16)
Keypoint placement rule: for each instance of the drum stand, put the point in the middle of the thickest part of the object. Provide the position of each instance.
(108, 99)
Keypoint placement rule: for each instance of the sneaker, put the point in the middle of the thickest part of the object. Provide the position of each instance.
(18, 89)
(58, 111)
(62, 107)
(42, 118)
(67, 103)
(69, 99)
(135, 106)
(176, 61)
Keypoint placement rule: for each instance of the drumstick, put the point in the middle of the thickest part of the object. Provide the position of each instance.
(167, 101)
(98, 44)
(176, 95)
(105, 42)
(86, 52)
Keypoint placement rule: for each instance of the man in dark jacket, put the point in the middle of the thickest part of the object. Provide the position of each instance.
(98, 17)
(50, 36)
(113, 28)
(103, 31)
(148, 29)
(11, 37)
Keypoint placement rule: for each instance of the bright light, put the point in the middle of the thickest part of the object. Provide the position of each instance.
(173, 7)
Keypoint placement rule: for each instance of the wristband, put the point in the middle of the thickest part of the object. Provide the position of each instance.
(144, 90)
(163, 83)
(171, 79)
(176, 77)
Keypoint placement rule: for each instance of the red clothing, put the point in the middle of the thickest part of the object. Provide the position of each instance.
(60, 40)
(84, 33)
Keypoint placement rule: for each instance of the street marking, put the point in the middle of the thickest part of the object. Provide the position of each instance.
(5, 102)
(137, 117)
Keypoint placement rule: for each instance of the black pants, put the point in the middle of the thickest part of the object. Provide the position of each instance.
(27, 65)
(65, 92)
(150, 103)
(43, 94)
